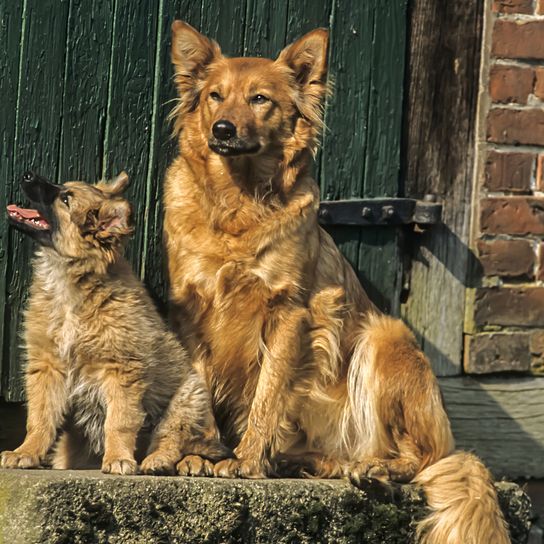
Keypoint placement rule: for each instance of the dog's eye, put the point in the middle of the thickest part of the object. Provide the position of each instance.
(259, 99)
(65, 199)
(216, 97)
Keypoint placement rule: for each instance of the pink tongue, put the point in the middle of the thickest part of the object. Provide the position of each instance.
(24, 212)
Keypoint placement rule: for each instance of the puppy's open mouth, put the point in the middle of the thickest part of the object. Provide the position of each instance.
(232, 149)
(28, 217)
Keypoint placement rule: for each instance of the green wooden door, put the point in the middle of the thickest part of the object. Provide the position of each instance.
(86, 88)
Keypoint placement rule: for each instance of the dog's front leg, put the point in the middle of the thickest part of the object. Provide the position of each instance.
(46, 405)
(124, 418)
(282, 364)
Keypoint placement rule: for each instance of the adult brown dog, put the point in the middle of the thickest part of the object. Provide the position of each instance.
(100, 359)
(301, 365)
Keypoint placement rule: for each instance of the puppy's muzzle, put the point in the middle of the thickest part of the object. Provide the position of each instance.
(38, 189)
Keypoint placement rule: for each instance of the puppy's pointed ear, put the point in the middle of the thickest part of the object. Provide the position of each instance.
(307, 57)
(191, 54)
(114, 220)
(116, 186)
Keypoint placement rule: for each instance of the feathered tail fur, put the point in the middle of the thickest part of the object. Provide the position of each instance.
(464, 503)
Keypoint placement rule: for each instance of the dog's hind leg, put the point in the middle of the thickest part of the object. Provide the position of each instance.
(395, 404)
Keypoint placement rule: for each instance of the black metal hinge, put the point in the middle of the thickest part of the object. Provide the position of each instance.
(381, 211)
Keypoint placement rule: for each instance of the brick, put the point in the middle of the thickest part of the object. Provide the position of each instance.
(518, 39)
(513, 6)
(538, 90)
(540, 7)
(540, 173)
(512, 215)
(509, 171)
(509, 307)
(487, 353)
(510, 83)
(507, 258)
(537, 352)
(512, 126)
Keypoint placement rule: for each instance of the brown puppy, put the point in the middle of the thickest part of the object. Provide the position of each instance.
(303, 369)
(100, 359)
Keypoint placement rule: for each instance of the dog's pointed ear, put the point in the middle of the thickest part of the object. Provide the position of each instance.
(307, 57)
(114, 220)
(116, 186)
(191, 54)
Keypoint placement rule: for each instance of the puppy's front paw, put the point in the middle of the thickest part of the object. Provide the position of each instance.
(194, 465)
(239, 468)
(19, 459)
(158, 463)
(119, 466)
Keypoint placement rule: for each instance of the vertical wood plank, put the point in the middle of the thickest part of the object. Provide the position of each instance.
(163, 147)
(382, 161)
(130, 106)
(37, 140)
(345, 140)
(379, 267)
(306, 15)
(224, 22)
(265, 27)
(10, 43)
(361, 147)
(445, 41)
(85, 96)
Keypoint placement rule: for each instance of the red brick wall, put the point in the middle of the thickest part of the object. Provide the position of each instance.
(507, 328)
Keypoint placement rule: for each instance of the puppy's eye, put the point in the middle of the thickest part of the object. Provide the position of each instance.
(65, 199)
(216, 97)
(259, 99)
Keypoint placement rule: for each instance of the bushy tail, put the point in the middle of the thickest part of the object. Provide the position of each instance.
(464, 503)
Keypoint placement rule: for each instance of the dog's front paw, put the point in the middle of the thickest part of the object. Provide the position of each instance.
(376, 469)
(119, 466)
(240, 468)
(19, 459)
(194, 465)
(158, 463)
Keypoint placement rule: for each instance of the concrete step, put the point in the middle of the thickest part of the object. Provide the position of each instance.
(83, 507)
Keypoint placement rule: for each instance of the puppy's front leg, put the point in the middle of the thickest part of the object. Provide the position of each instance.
(124, 418)
(46, 405)
(282, 363)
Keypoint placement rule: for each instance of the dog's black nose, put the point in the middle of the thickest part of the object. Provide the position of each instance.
(224, 130)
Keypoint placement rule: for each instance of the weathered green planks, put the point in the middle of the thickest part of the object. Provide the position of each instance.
(384, 112)
(344, 142)
(163, 147)
(10, 40)
(229, 35)
(361, 146)
(38, 126)
(87, 87)
(379, 267)
(265, 26)
(130, 106)
(85, 95)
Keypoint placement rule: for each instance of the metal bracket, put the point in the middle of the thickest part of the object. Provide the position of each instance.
(381, 211)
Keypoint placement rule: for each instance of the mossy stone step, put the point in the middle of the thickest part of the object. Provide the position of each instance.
(84, 507)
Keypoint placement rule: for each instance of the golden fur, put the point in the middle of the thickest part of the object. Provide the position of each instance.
(100, 359)
(303, 369)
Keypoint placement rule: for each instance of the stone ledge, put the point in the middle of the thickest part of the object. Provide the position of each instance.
(71, 507)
